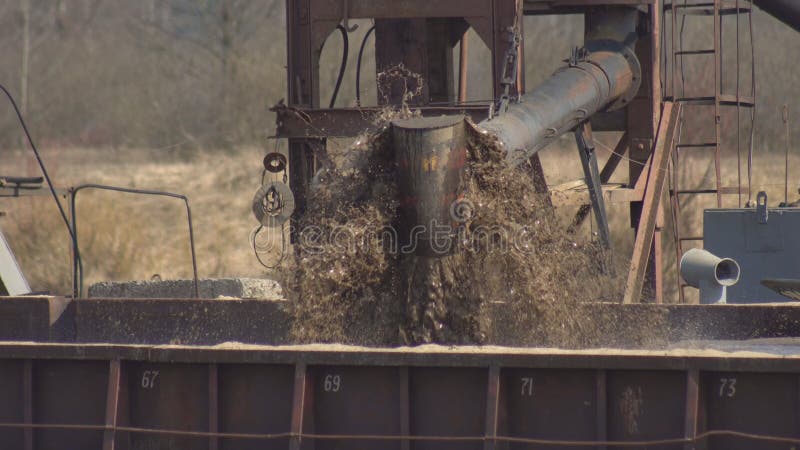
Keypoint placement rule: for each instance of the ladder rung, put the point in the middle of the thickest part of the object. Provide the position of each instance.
(730, 99)
(696, 52)
(696, 100)
(733, 190)
(707, 8)
(697, 145)
(725, 190)
(689, 5)
(694, 191)
(691, 238)
(724, 100)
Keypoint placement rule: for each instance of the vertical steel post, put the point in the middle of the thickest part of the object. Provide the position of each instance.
(601, 406)
(492, 408)
(463, 66)
(301, 394)
(692, 406)
(27, 399)
(213, 405)
(112, 404)
(405, 407)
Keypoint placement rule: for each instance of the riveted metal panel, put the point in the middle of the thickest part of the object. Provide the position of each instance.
(11, 402)
(447, 402)
(549, 404)
(756, 403)
(171, 397)
(356, 401)
(255, 399)
(644, 405)
(69, 392)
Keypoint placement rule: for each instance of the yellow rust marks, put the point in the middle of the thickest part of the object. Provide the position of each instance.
(430, 164)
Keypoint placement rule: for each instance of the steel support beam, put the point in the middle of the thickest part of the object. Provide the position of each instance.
(583, 136)
(605, 174)
(654, 189)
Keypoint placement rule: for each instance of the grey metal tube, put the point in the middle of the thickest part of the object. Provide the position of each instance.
(787, 11)
(605, 79)
(710, 273)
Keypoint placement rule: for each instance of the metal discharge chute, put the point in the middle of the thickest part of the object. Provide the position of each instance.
(603, 76)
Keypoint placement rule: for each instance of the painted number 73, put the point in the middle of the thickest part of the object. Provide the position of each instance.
(727, 387)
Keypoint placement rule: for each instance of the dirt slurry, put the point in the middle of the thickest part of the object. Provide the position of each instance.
(361, 292)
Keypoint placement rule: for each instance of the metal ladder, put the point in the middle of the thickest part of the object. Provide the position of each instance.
(716, 10)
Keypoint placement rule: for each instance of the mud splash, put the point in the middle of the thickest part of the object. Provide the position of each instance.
(362, 292)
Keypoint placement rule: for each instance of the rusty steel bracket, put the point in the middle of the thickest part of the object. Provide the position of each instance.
(583, 136)
(605, 175)
(345, 19)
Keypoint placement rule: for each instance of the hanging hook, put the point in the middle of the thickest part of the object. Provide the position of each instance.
(346, 20)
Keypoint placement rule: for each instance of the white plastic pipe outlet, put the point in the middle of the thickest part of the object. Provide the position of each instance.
(710, 273)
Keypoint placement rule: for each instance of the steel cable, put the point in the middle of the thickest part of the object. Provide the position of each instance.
(40, 162)
(358, 64)
(342, 66)
(411, 438)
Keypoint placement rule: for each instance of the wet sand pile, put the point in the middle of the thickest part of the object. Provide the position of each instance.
(347, 285)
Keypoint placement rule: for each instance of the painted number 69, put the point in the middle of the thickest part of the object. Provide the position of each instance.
(332, 383)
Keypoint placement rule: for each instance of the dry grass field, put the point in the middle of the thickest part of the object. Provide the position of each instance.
(132, 237)
(127, 237)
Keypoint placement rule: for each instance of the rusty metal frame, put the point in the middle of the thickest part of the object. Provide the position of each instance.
(307, 126)
(309, 22)
(463, 357)
(605, 371)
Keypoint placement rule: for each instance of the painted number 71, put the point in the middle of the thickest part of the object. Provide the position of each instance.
(527, 386)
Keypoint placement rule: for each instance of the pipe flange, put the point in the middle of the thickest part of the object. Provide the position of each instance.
(636, 69)
(608, 45)
(273, 204)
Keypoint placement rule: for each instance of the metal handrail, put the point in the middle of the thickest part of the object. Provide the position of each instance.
(77, 262)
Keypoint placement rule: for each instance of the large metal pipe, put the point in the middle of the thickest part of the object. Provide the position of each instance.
(605, 75)
(787, 11)
(430, 154)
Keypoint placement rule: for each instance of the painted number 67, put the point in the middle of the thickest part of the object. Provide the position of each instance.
(149, 379)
